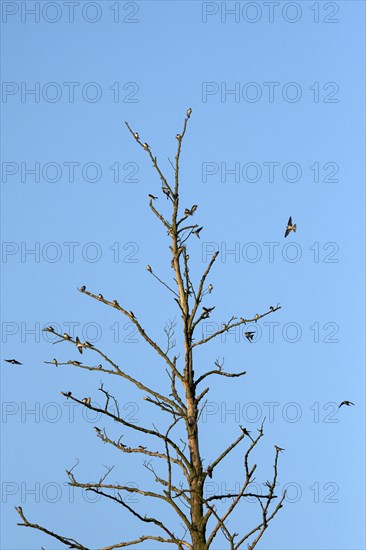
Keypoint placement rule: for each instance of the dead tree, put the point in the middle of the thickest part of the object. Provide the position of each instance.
(182, 486)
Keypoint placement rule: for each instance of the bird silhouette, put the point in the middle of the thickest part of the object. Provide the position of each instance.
(13, 362)
(249, 336)
(152, 197)
(348, 403)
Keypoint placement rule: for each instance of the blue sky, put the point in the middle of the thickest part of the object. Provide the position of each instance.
(277, 129)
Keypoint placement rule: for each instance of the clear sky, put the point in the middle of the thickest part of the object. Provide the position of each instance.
(277, 92)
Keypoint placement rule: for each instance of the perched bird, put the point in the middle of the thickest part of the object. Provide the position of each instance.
(83, 288)
(224, 326)
(210, 288)
(88, 344)
(148, 267)
(279, 449)
(152, 197)
(136, 136)
(79, 344)
(249, 336)
(100, 297)
(78, 363)
(145, 145)
(271, 308)
(242, 320)
(197, 232)
(290, 227)
(166, 192)
(178, 136)
(209, 471)
(115, 303)
(97, 430)
(50, 329)
(68, 394)
(348, 403)
(141, 447)
(190, 211)
(13, 361)
(66, 336)
(86, 401)
(256, 317)
(132, 314)
(189, 112)
(100, 366)
(54, 362)
(244, 430)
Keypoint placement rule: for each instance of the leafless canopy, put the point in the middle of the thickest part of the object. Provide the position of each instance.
(177, 466)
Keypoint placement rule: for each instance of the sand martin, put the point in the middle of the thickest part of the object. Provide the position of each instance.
(79, 344)
(197, 232)
(348, 403)
(13, 362)
(290, 227)
(249, 336)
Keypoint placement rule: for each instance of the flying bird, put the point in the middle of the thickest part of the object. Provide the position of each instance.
(79, 344)
(290, 227)
(348, 403)
(249, 336)
(197, 232)
(13, 362)
(152, 197)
